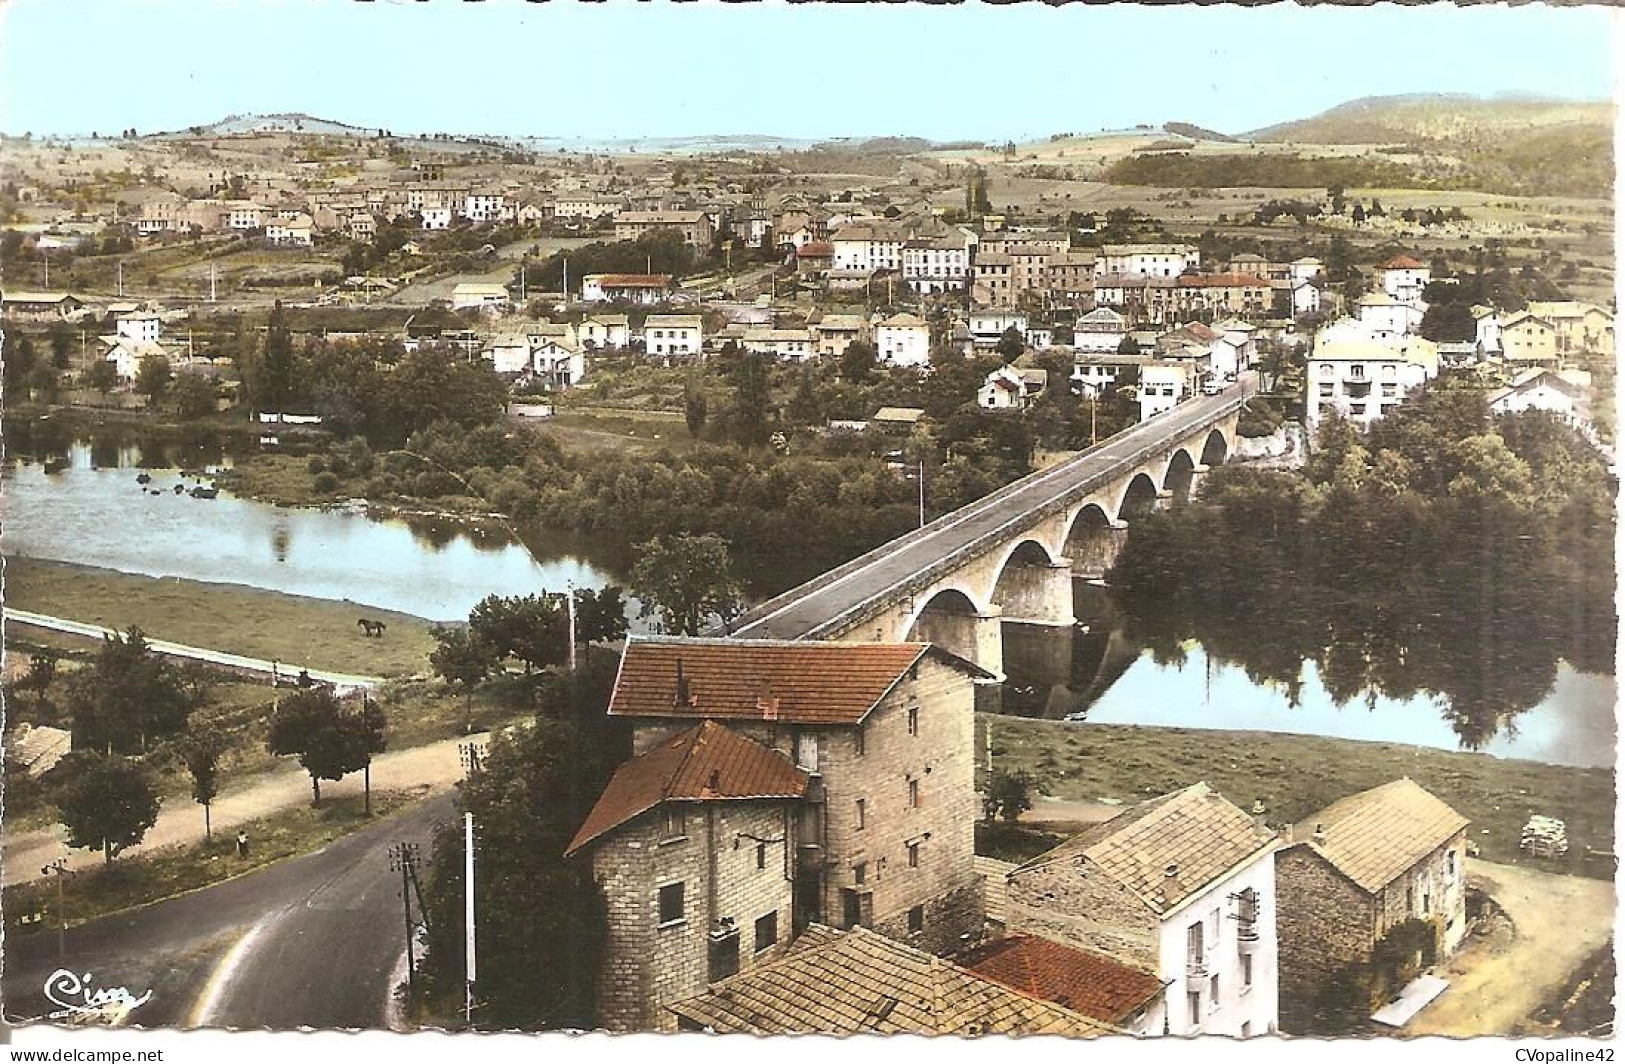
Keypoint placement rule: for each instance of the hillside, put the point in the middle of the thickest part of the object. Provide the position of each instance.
(237, 125)
(1435, 118)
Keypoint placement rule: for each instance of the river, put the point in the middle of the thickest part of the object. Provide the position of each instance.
(1098, 672)
(94, 512)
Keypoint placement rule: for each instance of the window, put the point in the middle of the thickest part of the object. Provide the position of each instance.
(807, 751)
(1246, 971)
(676, 824)
(851, 908)
(1193, 1002)
(916, 919)
(1388, 372)
(1193, 944)
(761, 855)
(913, 720)
(857, 741)
(1213, 993)
(671, 904)
(858, 818)
(1247, 1029)
(1450, 865)
(913, 794)
(860, 873)
(1327, 389)
(767, 931)
(914, 855)
(1357, 410)
(1357, 371)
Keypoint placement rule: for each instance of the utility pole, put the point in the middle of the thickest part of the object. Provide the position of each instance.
(570, 609)
(469, 971)
(922, 492)
(59, 868)
(567, 282)
(211, 282)
(121, 278)
(403, 858)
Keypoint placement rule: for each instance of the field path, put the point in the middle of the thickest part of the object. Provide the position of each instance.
(435, 766)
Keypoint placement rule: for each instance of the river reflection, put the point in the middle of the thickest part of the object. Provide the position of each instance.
(89, 509)
(1098, 672)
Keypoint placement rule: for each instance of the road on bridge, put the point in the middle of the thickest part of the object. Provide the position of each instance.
(846, 593)
(317, 941)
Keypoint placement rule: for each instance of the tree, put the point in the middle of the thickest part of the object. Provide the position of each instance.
(858, 361)
(531, 628)
(1128, 345)
(153, 378)
(61, 344)
(1449, 323)
(462, 659)
(106, 802)
(1009, 794)
(126, 697)
(1011, 344)
(686, 580)
(749, 413)
(329, 740)
(278, 372)
(694, 409)
(194, 396)
(102, 376)
(600, 615)
(201, 753)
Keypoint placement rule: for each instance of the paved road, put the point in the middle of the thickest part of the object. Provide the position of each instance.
(849, 592)
(181, 650)
(312, 942)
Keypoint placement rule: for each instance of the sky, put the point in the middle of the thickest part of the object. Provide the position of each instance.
(613, 70)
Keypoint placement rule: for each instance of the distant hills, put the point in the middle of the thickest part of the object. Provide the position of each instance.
(1434, 117)
(278, 123)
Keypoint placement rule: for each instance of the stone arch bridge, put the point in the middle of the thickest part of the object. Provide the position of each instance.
(1010, 557)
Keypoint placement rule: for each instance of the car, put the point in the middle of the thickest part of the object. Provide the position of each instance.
(1213, 386)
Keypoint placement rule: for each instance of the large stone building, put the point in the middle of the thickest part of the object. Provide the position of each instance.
(1182, 885)
(1351, 872)
(694, 226)
(881, 837)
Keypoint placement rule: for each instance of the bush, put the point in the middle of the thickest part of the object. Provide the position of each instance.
(316, 465)
(326, 483)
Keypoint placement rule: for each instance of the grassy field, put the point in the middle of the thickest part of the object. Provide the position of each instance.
(300, 632)
(1296, 775)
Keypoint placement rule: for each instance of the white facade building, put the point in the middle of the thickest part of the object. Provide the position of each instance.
(673, 334)
(1163, 386)
(1403, 279)
(1147, 260)
(903, 340)
(1362, 380)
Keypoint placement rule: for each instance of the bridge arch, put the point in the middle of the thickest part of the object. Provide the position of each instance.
(948, 619)
(1139, 498)
(1025, 584)
(1180, 475)
(1092, 542)
(1215, 449)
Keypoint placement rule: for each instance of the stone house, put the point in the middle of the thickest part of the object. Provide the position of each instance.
(1349, 873)
(1183, 886)
(884, 836)
(690, 843)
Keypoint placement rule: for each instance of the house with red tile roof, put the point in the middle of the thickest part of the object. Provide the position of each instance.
(1100, 987)
(1183, 886)
(880, 737)
(1403, 279)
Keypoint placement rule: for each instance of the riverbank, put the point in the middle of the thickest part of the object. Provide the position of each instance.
(1296, 775)
(298, 631)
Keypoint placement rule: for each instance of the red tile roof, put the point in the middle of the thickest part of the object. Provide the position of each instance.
(1086, 982)
(762, 680)
(817, 249)
(708, 763)
(1402, 262)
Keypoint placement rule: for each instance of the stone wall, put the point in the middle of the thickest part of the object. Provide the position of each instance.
(1323, 922)
(1057, 900)
(650, 964)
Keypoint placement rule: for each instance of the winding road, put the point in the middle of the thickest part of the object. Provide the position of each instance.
(316, 941)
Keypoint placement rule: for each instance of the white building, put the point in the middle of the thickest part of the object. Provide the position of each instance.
(1487, 330)
(868, 246)
(600, 331)
(904, 340)
(437, 217)
(1363, 379)
(586, 205)
(545, 351)
(1566, 393)
(1385, 317)
(1183, 885)
(987, 327)
(1403, 279)
(644, 289)
(937, 265)
(487, 207)
(128, 355)
(493, 298)
(1008, 388)
(1147, 260)
(1100, 331)
(1306, 269)
(142, 327)
(673, 334)
(794, 344)
(297, 231)
(1164, 384)
(833, 332)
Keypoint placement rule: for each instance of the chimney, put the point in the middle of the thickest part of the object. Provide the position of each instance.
(1170, 882)
(767, 704)
(1319, 837)
(715, 783)
(1258, 812)
(682, 696)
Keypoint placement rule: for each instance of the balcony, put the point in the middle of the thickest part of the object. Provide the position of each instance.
(1196, 972)
(1246, 937)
